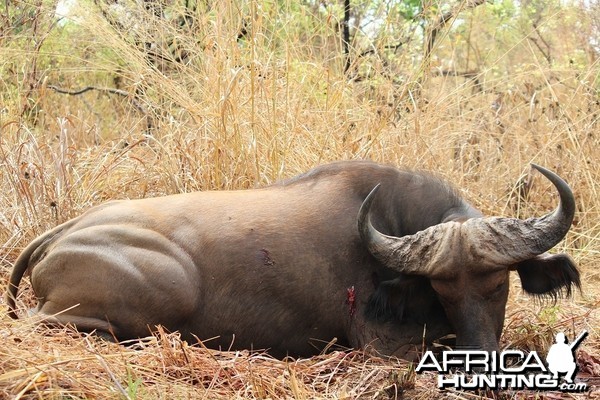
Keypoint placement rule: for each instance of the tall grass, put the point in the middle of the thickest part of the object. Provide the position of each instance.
(201, 108)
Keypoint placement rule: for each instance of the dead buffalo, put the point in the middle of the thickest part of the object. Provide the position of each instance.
(289, 267)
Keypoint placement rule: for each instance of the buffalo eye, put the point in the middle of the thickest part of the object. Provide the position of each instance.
(496, 290)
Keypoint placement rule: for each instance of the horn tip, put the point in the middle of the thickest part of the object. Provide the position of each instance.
(369, 199)
(363, 212)
(537, 167)
(547, 173)
(567, 205)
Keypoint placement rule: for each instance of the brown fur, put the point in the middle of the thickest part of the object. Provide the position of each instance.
(265, 268)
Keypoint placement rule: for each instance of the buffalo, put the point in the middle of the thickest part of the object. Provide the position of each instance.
(365, 253)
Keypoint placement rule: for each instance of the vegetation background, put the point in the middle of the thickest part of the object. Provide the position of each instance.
(125, 99)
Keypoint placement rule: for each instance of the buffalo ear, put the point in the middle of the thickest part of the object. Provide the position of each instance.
(549, 275)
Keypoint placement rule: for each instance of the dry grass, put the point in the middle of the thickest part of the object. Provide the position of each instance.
(166, 367)
(239, 114)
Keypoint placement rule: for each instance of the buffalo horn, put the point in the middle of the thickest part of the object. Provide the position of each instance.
(508, 241)
(485, 242)
(424, 253)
